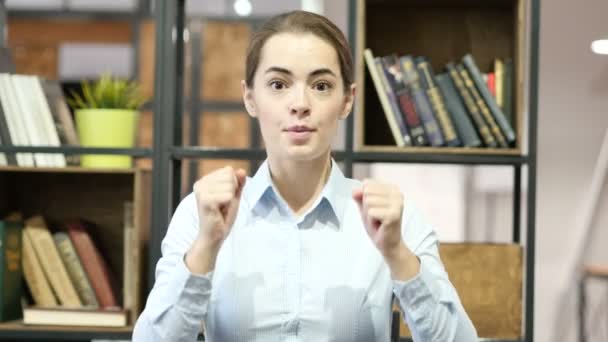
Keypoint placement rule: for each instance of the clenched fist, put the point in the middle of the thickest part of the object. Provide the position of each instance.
(218, 196)
(381, 206)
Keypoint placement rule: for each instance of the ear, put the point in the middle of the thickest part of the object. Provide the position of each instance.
(349, 100)
(248, 99)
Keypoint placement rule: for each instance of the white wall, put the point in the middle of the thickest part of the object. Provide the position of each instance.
(573, 93)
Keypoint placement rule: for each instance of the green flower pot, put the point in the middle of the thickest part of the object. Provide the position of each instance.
(106, 128)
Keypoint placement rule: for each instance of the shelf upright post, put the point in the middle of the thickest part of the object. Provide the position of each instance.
(168, 85)
(532, 139)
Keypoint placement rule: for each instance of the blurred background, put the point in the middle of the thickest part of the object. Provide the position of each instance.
(72, 40)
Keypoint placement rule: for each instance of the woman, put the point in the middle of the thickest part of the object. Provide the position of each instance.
(298, 252)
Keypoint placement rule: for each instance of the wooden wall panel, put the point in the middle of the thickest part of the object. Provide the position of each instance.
(36, 59)
(57, 31)
(224, 51)
(488, 278)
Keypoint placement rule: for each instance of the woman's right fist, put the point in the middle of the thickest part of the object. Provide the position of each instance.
(218, 196)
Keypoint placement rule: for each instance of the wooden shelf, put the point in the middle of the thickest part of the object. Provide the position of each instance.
(97, 196)
(69, 169)
(443, 150)
(443, 31)
(17, 330)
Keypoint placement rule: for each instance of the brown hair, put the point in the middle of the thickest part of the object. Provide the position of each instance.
(300, 22)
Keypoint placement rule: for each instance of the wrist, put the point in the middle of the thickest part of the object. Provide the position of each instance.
(201, 257)
(402, 263)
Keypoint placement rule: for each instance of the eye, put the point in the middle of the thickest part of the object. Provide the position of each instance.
(277, 85)
(322, 86)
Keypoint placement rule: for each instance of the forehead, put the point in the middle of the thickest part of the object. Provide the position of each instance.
(298, 51)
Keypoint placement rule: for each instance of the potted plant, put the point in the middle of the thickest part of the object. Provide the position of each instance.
(106, 115)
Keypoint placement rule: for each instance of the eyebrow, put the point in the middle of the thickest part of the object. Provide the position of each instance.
(317, 72)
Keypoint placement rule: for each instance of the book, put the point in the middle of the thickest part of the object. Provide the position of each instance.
(394, 104)
(482, 105)
(34, 126)
(14, 120)
(471, 106)
(423, 106)
(3, 161)
(74, 317)
(75, 270)
(131, 262)
(496, 112)
(36, 281)
(11, 270)
(383, 97)
(491, 84)
(499, 72)
(5, 139)
(49, 258)
(62, 118)
(462, 122)
(427, 80)
(394, 78)
(94, 265)
(508, 91)
(39, 102)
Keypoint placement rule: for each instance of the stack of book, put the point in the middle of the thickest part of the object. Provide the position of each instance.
(459, 107)
(33, 112)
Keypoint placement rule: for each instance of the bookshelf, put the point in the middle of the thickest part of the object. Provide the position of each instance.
(97, 195)
(442, 31)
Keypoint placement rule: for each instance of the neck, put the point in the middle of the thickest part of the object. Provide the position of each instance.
(300, 182)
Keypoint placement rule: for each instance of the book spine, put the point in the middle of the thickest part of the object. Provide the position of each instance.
(423, 107)
(34, 275)
(11, 270)
(497, 113)
(394, 76)
(94, 265)
(437, 102)
(482, 127)
(51, 262)
(499, 72)
(481, 104)
(394, 105)
(508, 91)
(75, 270)
(5, 136)
(463, 124)
(383, 97)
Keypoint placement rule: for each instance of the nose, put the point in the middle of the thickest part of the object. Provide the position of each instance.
(301, 104)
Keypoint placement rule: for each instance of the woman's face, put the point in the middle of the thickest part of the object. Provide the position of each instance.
(298, 96)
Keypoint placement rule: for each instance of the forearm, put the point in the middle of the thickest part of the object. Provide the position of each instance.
(200, 258)
(403, 264)
(432, 309)
(176, 306)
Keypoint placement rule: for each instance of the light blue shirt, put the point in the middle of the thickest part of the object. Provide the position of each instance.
(315, 277)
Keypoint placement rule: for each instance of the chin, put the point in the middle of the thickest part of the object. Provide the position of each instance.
(304, 152)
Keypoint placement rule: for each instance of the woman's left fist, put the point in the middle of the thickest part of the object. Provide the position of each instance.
(381, 207)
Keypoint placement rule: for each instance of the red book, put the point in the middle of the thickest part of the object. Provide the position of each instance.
(94, 265)
(492, 83)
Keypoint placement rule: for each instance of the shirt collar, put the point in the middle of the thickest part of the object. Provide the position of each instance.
(335, 192)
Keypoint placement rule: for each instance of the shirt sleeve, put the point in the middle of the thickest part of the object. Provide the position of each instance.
(178, 302)
(429, 302)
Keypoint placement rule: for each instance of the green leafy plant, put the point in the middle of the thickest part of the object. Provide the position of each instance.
(109, 93)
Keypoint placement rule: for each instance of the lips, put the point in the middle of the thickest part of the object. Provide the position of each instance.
(299, 129)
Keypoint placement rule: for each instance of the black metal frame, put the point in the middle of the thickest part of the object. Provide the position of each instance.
(168, 152)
